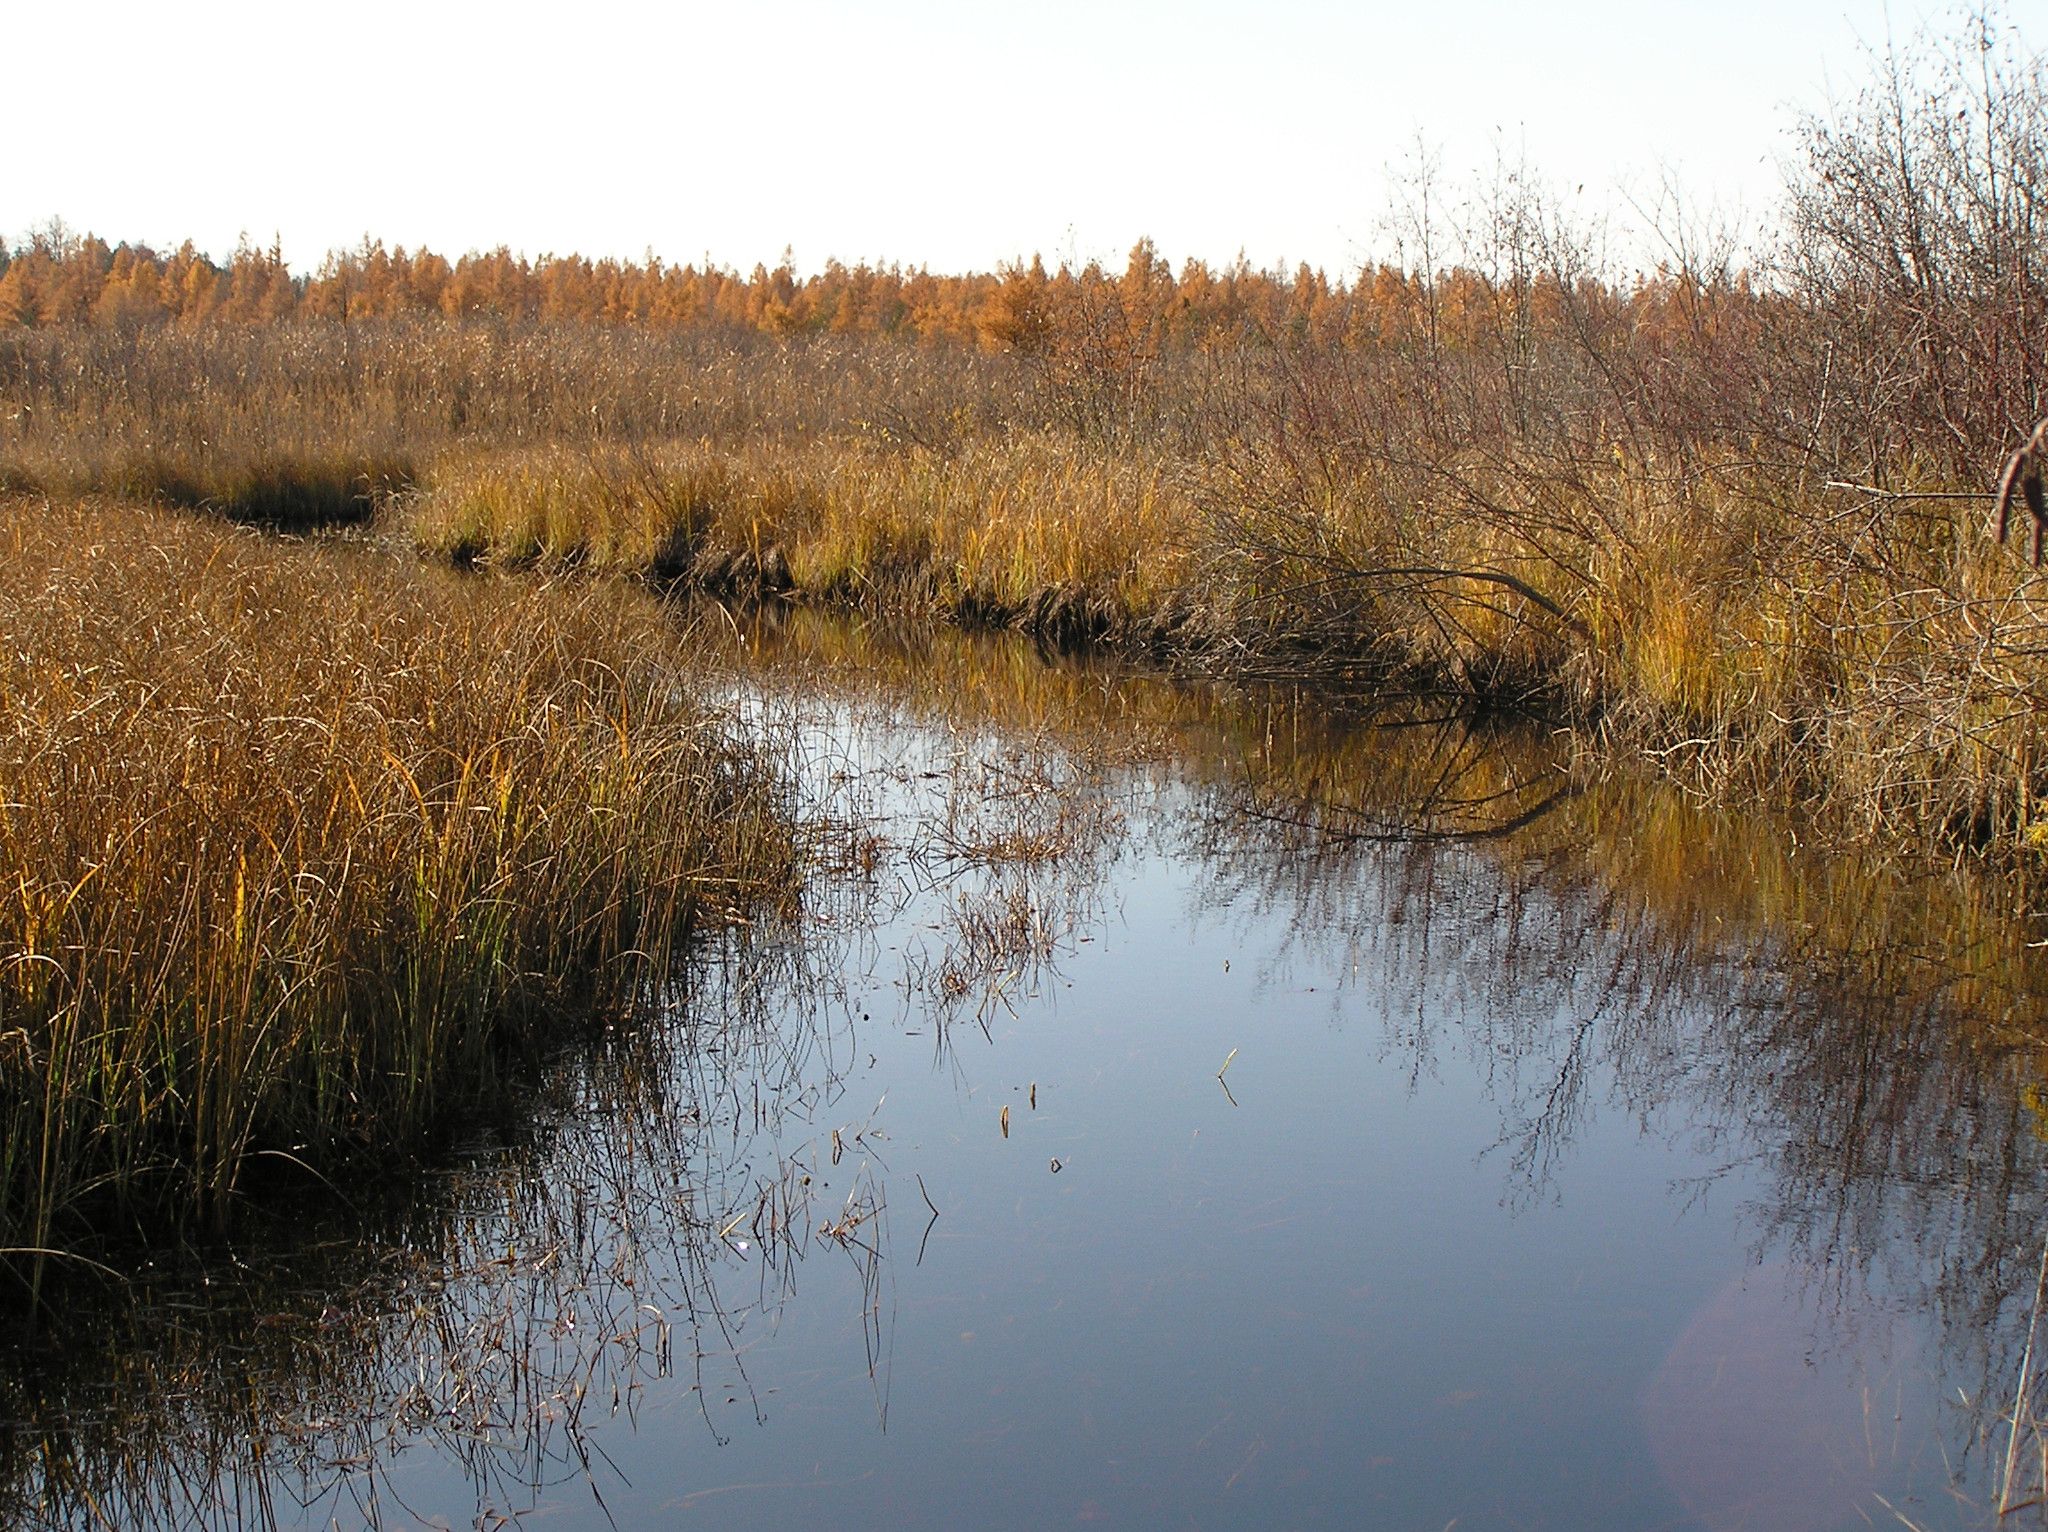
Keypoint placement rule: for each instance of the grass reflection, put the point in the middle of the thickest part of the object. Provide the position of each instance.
(636, 1228)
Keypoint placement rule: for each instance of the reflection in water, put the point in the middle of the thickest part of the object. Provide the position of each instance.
(1870, 1041)
(1865, 1045)
(824, 1242)
(631, 1233)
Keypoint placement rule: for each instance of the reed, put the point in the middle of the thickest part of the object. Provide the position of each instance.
(994, 532)
(308, 852)
(1756, 622)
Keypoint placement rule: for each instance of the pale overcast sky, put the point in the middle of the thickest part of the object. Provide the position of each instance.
(949, 133)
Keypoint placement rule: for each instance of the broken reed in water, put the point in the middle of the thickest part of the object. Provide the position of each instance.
(305, 850)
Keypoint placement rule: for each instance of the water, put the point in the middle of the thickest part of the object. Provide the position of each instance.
(1168, 1110)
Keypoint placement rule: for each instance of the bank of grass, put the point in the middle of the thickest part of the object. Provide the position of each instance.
(301, 491)
(307, 853)
(1024, 529)
(1737, 609)
(1870, 654)
(303, 423)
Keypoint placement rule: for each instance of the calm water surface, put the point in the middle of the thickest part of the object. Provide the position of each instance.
(1170, 1110)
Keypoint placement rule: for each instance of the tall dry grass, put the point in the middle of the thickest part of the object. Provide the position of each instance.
(946, 481)
(1757, 625)
(307, 852)
(1563, 521)
(998, 529)
(339, 415)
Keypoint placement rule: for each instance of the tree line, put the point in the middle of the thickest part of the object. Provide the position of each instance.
(55, 278)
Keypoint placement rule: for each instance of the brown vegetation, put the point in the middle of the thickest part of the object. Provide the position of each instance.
(306, 852)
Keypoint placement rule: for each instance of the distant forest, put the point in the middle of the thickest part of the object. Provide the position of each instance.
(58, 279)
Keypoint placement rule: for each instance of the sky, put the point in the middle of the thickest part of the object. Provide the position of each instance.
(946, 133)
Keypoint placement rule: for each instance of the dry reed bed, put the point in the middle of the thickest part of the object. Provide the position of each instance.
(1759, 624)
(309, 422)
(1604, 552)
(1875, 659)
(1034, 529)
(306, 852)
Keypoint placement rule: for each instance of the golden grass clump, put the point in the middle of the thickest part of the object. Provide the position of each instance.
(304, 850)
(983, 532)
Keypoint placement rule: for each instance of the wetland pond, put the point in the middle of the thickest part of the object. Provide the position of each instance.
(1165, 1109)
